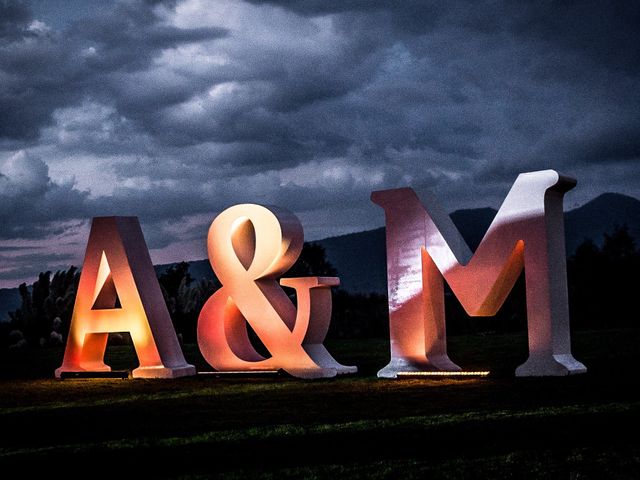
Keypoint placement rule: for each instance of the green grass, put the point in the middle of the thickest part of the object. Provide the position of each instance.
(576, 427)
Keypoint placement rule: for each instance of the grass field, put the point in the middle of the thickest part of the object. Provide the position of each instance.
(353, 427)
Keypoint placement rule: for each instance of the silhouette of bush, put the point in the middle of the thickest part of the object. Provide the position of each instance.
(602, 286)
(45, 311)
(603, 282)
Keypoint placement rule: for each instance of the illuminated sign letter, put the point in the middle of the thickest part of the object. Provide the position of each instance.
(249, 247)
(119, 292)
(423, 246)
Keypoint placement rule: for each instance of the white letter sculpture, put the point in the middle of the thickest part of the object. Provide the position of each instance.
(423, 246)
(116, 267)
(249, 247)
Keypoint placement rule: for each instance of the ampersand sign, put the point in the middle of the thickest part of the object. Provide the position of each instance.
(249, 247)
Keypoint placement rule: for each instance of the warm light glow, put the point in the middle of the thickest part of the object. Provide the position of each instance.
(424, 248)
(444, 374)
(117, 267)
(239, 373)
(249, 247)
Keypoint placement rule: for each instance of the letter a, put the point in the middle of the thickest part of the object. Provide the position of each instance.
(423, 246)
(117, 270)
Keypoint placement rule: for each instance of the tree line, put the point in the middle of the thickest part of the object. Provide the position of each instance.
(602, 283)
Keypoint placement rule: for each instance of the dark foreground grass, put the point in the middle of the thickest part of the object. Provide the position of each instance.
(578, 427)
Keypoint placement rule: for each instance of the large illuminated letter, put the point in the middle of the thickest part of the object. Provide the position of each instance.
(423, 245)
(249, 247)
(117, 267)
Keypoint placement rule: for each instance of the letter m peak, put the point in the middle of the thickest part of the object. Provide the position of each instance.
(424, 246)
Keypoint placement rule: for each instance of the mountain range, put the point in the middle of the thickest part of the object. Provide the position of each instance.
(360, 258)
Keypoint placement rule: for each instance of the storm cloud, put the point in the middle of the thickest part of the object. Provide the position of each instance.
(173, 111)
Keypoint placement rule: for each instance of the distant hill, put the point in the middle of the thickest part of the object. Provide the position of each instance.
(360, 258)
(602, 215)
(197, 269)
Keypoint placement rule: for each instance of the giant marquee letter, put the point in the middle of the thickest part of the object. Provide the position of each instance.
(249, 247)
(423, 246)
(117, 267)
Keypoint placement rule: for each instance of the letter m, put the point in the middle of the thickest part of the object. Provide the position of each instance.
(424, 246)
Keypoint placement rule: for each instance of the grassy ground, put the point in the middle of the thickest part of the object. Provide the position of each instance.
(357, 427)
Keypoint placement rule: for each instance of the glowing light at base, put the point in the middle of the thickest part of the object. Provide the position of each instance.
(459, 373)
(118, 270)
(424, 248)
(249, 247)
(241, 373)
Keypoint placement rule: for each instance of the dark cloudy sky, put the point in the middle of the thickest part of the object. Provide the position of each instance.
(175, 110)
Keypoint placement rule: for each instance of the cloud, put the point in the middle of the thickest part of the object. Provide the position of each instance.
(25, 267)
(173, 111)
(30, 203)
(43, 70)
(12, 17)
